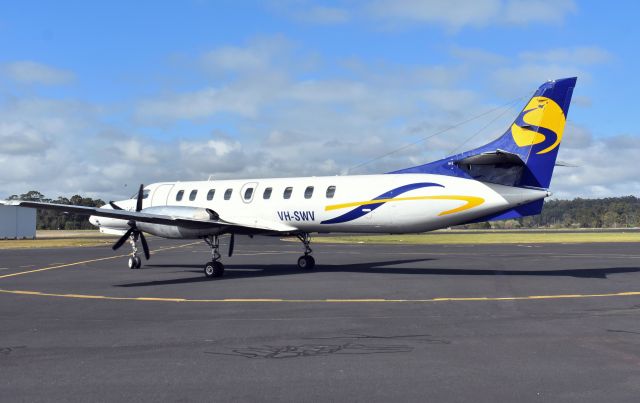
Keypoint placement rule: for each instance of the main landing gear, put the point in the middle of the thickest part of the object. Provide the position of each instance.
(306, 262)
(214, 268)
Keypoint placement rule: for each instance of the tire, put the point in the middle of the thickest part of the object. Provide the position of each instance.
(218, 269)
(209, 269)
(213, 269)
(306, 262)
(138, 262)
(132, 263)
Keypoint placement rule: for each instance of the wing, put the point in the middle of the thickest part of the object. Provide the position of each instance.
(213, 221)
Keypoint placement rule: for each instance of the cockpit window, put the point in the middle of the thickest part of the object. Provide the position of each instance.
(145, 194)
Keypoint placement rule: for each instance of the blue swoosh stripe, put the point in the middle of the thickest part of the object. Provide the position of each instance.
(360, 210)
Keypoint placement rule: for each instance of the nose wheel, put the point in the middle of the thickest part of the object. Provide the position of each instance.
(306, 262)
(135, 262)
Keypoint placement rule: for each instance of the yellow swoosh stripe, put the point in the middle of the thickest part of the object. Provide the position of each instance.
(471, 202)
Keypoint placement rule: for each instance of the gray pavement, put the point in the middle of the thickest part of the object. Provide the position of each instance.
(571, 337)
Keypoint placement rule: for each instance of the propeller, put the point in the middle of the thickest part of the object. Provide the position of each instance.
(137, 234)
(232, 242)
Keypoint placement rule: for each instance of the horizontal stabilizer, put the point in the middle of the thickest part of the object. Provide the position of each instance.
(566, 164)
(492, 158)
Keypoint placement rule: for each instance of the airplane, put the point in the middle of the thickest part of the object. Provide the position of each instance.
(506, 178)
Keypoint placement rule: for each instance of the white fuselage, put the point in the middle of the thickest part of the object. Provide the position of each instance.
(388, 203)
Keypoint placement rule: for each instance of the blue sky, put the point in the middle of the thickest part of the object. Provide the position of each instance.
(96, 96)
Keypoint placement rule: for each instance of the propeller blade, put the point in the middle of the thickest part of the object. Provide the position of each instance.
(140, 195)
(145, 246)
(232, 242)
(123, 239)
(115, 206)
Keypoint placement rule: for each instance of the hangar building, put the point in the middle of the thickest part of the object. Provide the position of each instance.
(17, 222)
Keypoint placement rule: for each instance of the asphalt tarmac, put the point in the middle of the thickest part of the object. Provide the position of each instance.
(371, 323)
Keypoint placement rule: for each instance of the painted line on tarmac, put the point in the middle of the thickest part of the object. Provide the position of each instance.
(329, 300)
(88, 261)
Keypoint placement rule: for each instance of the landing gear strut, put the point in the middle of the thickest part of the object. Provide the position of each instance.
(214, 268)
(134, 261)
(306, 262)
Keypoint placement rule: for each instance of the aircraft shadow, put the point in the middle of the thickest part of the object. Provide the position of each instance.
(248, 271)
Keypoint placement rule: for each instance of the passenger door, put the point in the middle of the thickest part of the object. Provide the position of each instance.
(248, 191)
(160, 195)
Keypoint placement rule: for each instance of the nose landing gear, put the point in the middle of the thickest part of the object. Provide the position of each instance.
(134, 260)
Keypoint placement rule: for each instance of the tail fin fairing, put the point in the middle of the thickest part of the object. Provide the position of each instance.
(525, 154)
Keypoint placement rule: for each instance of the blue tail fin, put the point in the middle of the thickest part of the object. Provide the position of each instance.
(525, 154)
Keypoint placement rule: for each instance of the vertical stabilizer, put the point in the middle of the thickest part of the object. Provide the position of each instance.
(525, 154)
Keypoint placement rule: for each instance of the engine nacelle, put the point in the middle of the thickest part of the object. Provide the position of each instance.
(177, 231)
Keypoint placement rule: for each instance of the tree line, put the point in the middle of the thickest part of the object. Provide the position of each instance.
(610, 212)
(50, 219)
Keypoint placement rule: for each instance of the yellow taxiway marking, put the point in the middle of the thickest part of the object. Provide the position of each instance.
(284, 300)
(329, 300)
(87, 261)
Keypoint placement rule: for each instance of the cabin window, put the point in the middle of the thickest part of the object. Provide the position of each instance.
(179, 195)
(210, 194)
(287, 193)
(267, 193)
(248, 193)
(227, 194)
(193, 194)
(308, 192)
(331, 191)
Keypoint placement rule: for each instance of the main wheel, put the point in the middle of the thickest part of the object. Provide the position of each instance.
(306, 262)
(214, 269)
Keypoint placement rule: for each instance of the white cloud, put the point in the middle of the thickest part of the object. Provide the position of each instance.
(259, 54)
(290, 119)
(542, 11)
(456, 14)
(307, 12)
(323, 15)
(20, 138)
(29, 72)
(198, 104)
(605, 167)
(452, 13)
(581, 55)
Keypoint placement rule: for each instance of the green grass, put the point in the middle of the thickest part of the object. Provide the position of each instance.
(66, 239)
(486, 238)
(60, 239)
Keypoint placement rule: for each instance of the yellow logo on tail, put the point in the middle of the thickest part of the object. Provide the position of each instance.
(544, 115)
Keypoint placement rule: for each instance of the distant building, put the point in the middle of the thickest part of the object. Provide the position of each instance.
(17, 222)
